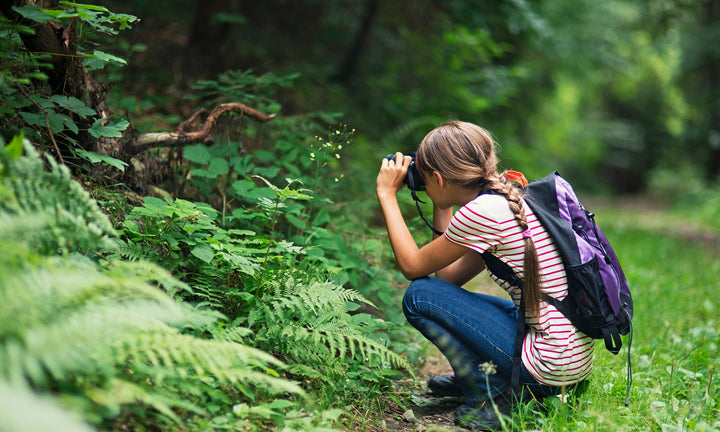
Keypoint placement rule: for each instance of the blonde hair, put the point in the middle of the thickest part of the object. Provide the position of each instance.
(464, 154)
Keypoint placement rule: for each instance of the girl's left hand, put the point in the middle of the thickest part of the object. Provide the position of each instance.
(391, 175)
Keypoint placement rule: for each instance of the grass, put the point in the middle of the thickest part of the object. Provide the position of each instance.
(674, 280)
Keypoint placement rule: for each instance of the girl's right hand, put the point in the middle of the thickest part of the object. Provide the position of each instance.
(391, 175)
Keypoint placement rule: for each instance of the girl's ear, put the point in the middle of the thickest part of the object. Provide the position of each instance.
(439, 179)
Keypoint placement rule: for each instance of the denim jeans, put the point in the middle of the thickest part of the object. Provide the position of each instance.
(473, 331)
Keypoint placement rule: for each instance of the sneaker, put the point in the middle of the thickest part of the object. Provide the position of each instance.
(445, 385)
(483, 416)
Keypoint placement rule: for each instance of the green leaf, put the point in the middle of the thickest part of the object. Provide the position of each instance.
(85, 6)
(68, 122)
(109, 58)
(199, 172)
(33, 119)
(15, 148)
(33, 13)
(99, 157)
(203, 251)
(113, 130)
(155, 204)
(241, 187)
(124, 20)
(57, 123)
(73, 104)
(322, 218)
(218, 166)
(197, 153)
(43, 102)
(98, 60)
(265, 155)
(267, 171)
(296, 222)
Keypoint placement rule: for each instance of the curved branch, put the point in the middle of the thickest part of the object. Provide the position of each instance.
(171, 139)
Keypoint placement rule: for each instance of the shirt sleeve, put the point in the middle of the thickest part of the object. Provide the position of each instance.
(478, 224)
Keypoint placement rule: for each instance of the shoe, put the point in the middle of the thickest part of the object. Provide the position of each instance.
(445, 385)
(483, 416)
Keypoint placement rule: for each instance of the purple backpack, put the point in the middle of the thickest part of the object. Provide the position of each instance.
(598, 302)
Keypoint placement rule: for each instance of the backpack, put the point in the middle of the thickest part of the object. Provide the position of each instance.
(599, 302)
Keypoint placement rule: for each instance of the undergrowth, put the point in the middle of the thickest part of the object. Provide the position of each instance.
(241, 336)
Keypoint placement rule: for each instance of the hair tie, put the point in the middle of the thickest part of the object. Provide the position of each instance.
(527, 233)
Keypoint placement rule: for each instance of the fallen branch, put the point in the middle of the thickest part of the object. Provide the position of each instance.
(172, 139)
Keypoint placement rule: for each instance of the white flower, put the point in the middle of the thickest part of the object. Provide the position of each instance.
(488, 368)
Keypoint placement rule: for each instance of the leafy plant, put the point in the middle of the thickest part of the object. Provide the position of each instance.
(103, 333)
(308, 322)
(258, 281)
(30, 104)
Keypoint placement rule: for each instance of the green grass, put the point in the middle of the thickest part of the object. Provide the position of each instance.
(674, 281)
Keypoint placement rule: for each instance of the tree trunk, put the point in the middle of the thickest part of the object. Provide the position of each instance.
(66, 76)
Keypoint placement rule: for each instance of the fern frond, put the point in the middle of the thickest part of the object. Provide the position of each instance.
(232, 334)
(20, 408)
(104, 330)
(309, 324)
(118, 392)
(75, 222)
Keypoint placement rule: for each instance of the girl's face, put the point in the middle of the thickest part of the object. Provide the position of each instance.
(434, 187)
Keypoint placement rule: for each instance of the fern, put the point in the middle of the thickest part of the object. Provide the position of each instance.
(309, 324)
(19, 408)
(104, 334)
(28, 189)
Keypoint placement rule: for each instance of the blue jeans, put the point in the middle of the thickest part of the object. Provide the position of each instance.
(472, 330)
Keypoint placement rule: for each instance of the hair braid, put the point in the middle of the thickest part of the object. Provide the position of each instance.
(531, 267)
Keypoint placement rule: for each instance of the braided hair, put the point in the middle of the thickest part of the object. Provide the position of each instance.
(464, 154)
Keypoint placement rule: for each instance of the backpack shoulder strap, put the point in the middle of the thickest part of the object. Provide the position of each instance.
(503, 271)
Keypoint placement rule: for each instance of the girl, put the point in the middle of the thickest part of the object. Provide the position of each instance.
(476, 332)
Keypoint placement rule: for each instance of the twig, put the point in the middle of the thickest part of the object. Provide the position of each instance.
(180, 137)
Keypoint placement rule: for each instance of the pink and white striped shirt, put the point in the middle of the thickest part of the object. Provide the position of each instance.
(554, 351)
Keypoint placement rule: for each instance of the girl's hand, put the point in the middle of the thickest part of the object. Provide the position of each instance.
(391, 175)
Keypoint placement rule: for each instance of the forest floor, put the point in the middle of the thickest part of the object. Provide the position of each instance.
(427, 412)
(430, 413)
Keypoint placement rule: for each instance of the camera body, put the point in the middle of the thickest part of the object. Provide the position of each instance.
(412, 179)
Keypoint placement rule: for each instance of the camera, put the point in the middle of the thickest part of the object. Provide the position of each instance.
(412, 179)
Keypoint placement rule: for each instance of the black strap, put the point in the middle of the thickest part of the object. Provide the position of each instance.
(504, 272)
(613, 342)
(519, 338)
(417, 204)
(629, 367)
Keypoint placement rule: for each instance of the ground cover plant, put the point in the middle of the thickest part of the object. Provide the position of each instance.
(677, 333)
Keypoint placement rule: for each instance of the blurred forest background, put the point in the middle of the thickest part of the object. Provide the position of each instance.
(190, 232)
(607, 92)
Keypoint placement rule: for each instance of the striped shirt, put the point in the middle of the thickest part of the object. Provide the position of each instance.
(554, 351)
